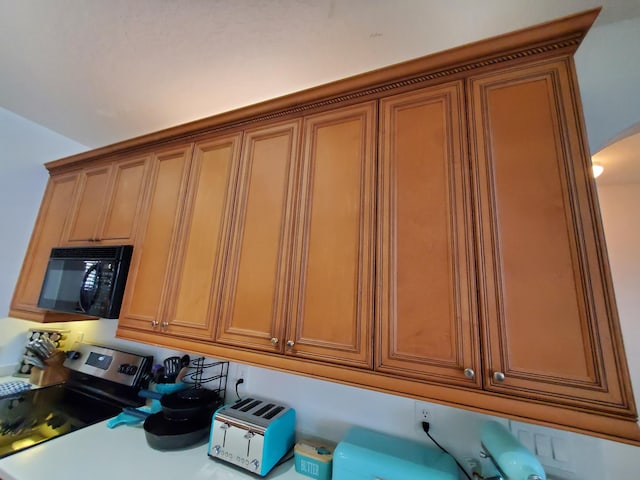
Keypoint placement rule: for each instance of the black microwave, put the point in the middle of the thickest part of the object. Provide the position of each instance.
(86, 280)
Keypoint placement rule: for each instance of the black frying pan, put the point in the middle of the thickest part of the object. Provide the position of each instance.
(164, 434)
(186, 404)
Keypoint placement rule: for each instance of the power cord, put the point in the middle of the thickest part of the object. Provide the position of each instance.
(238, 382)
(425, 427)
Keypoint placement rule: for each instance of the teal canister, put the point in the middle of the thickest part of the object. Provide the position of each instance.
(313, 458)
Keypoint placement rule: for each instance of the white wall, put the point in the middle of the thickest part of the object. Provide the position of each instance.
(24, 148)
(608, 66)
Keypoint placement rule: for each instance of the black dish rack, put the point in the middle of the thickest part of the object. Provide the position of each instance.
(202, 371)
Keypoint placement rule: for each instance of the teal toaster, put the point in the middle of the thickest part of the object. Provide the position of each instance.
(365, 454)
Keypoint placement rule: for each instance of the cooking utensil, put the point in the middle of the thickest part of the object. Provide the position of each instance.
(35, 361)
(159, 376)
(164, 434)
(172, 366)
(48, 344)
(36, 351)
(186, 404)
(185, 361)
(181, 374)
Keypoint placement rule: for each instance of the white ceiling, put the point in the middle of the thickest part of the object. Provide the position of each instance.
(100, 71)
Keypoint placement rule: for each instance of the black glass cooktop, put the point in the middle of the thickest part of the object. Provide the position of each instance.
(35, 416)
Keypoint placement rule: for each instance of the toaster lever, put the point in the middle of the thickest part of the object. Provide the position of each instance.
(224, 427)
(249, 435)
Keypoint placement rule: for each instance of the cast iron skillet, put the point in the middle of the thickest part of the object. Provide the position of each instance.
(190, 403)
(186, 404)
(164, 434)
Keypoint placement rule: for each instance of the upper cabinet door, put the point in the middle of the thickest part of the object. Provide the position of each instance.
(256, 276)
(546, 295)
(427, 324)
(331, 316)
(155, 246)
(204, 236)
(89, 205)
(108, 204)
(48, 229)
(124, 201)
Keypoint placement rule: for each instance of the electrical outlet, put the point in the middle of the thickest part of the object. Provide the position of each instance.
(473, 465)
(422, 414)
(242, 371)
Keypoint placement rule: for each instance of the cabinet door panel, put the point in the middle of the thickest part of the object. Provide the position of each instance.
(255, 288)
(544, 301)
(89, 204)
(121, 216)
(204, 236)
(150, 266)
(48, 230)
(331, 313)
(427, 322)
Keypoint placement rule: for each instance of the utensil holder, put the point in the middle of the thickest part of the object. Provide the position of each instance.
(55, 372)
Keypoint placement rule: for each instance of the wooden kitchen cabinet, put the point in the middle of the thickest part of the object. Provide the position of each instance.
(301, 281)
(427, 321)
(256, 281)
(331, 306)
(547, 304)
(108, 203)
(53, 214)
(155, 246)
(194, 291)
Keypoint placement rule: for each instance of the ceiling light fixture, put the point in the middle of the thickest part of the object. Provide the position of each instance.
(597, 169)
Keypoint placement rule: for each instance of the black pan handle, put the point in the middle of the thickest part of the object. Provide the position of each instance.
(135, 412)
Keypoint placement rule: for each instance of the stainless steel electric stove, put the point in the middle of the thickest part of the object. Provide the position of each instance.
(101, 382)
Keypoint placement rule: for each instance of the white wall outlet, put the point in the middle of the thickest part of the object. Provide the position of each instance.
(422, 414)
(242, 371)
(472, 465)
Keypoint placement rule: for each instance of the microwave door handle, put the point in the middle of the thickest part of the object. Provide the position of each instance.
(86, 294)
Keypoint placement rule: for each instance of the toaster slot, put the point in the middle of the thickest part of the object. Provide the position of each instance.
(264, 410)
(251, 405)
(273, 413)
(241, 403)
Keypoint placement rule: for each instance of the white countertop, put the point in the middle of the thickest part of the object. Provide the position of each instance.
(100, 453)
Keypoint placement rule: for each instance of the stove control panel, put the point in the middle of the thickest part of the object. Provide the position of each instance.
(109, 364)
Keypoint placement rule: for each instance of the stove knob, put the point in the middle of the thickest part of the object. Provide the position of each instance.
(73, 355)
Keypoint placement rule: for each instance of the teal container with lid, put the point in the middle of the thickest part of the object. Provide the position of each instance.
(364, 454)
(314, 458)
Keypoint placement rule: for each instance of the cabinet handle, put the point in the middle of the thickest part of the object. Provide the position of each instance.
(274, 341)
(290, 343)
(498, 376)
(469, 373)
(164, 324)
(154, 323)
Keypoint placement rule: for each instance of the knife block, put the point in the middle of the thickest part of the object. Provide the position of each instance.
(55, 372)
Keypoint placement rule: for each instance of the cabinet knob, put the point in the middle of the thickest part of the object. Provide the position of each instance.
(290, 343)
(274, 341)
(164, 324)
(154, 323)
(498, 376)
(469, 373)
